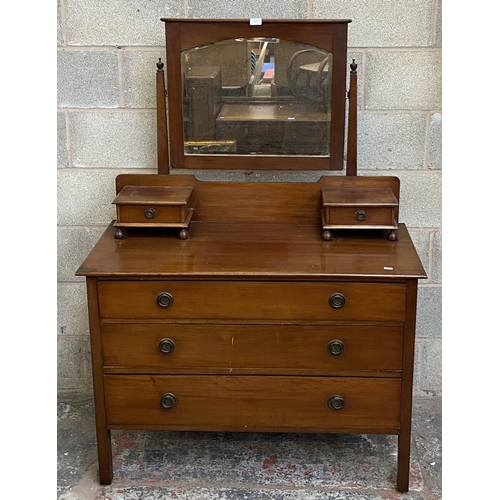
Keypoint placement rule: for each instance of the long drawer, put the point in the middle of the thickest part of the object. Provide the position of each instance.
(270, 349)
(240, 300)
(258, 403)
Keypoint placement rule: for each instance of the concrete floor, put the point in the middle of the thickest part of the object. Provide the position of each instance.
(204, 466)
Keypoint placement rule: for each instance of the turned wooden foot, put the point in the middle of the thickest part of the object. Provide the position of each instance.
(392, 236)
(119, 233)
(327, 235)
(183, 234)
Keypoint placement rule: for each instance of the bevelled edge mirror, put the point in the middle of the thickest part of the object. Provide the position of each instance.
(252, 94)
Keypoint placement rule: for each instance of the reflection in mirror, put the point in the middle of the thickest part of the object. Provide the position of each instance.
(260, 96)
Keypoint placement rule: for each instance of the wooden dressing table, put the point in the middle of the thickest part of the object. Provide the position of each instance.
(254, 322)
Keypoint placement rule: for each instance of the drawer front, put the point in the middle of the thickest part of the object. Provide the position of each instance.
(270, 349)
(239, 403)
(152, 214)
(361, 216)
(218, 300)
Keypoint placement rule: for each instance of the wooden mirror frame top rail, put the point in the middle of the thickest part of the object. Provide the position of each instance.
(183, 34)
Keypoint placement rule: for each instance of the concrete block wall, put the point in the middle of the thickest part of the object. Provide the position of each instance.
(106, 121)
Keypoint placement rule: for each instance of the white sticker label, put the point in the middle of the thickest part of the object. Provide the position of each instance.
(255, 21)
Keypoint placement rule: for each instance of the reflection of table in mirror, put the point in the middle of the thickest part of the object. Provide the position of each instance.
(288, 128)
(315, 75)
(308, 75)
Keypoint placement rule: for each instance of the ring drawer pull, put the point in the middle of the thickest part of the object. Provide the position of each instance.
(337, 300)
(150, 213)
(335, 347)
(165, 299)
(360, 215)
(168, 401)
(335, 402)
(166, 346)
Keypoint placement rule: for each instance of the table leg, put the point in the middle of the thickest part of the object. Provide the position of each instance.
(103, 434)
(104, 456)
(404, 439)
(403, 477)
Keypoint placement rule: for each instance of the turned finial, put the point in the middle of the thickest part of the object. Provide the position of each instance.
(354, 67)
(159, 64)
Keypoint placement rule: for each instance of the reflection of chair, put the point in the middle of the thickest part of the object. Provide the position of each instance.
(253, 61)
(308, 75)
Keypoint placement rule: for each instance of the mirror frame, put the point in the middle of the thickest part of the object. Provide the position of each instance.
(184, 34)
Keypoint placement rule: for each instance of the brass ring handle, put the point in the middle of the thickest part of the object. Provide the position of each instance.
(168, 401)
(166, 346)
(360, 215)
(150, 213)
(165, 299)
(335, 402)
(337, 300)
(335, 347)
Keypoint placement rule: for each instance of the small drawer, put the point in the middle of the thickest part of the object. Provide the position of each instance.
(251, 300)
(151, 214)
(252, 349)
(253, 403)
(361, 216)
(153, 205)
(359, 208)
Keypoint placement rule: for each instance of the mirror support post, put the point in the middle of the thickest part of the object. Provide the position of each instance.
(352, 133)
(161, 119)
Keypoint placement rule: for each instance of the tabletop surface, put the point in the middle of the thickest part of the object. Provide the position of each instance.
(230, 250)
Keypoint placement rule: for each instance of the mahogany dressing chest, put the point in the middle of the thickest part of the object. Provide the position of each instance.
(254, 306)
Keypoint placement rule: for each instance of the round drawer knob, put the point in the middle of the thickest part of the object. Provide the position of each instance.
(360, 215)
(150, 213)
(166, 345)
(168, 400)
(335, 402)
(337, 300)
(165, 299)
(335, 347)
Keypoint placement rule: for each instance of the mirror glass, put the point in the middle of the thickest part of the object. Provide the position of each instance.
(258, 96)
